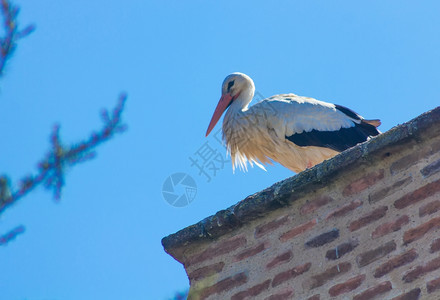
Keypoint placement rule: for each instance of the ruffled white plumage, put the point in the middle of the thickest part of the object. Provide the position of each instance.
(258, 135)
(263, 132)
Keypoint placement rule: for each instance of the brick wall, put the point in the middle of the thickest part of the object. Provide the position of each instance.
(363, 225)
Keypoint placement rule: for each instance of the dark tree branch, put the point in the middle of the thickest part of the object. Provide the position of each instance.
(51, 169)
(12, 34)
(4, 239)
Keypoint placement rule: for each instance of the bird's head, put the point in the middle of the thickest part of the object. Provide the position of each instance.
(237, 89)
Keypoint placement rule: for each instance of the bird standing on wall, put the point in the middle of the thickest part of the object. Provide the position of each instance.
(297, 132)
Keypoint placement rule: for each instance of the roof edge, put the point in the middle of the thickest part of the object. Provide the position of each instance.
(282, 193)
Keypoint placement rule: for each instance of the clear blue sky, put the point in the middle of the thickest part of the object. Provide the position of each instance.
(102, 241)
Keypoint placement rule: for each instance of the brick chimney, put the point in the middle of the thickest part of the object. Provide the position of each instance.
(362, 225)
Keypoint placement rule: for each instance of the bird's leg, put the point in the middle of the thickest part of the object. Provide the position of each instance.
(309, 165)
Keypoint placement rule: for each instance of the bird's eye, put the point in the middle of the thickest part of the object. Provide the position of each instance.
(230, 84)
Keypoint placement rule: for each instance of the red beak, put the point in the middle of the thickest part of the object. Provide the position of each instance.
(222, 105)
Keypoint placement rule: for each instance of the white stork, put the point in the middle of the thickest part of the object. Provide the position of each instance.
(298, 132)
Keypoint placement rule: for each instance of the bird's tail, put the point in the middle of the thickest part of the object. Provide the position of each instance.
(375, 122)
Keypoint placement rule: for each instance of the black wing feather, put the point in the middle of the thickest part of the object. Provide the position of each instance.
(338, 140)
(348, 112)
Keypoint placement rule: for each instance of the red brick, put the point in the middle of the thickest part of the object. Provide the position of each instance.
(414, 274)
(253, 291)
(314, 204)
(389, 190)
(250, 252)
(281, 296)
(411, 295)
(340, 212)
(395, 263)
(429, 208)
(323, 238)
(433, 285)
(374, 291)
(262, 230)
(216, 250)
(347, 286)
(431, 169)
(290, 274)
(420, 271)
(418, 195)
(328, 275)
(280, 259)
(314, 297)
(416, 233)
(375, 215)
(375, 254)
(435, 245)
(408, 160)
(206, 271)
(297, 230)
(361, 184)
(224, 285)
(386, 228)
(341, 250)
